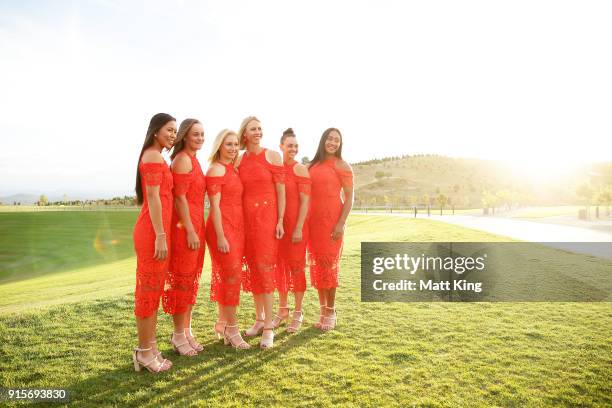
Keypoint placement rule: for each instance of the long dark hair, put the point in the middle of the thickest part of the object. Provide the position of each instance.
(157, 122)
(320, 155)
(184, 128)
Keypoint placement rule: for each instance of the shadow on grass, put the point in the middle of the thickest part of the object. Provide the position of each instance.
(191, 378)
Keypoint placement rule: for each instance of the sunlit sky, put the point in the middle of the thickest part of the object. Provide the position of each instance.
(527, 81)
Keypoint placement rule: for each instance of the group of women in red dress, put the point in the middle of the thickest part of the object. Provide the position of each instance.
(266, 213)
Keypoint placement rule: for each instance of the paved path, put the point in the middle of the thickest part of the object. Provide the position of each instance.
(553, 235)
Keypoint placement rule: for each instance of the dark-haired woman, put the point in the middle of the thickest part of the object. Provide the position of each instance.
(188, 235)
(292, 248)
(154, 192)
(331, 202)
(262, 175)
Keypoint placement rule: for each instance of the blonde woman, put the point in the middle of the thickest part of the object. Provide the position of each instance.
(225, 235)
(263, 177)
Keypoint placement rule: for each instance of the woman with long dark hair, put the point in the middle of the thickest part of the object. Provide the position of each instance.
(225, 235)
(331, 202)
(188, 235)
(262, 175)
(154, 193)
(290, 276)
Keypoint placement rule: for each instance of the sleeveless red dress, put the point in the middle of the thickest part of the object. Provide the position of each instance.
(325, 210)
(151, 273)
(290, 274)
(186, 264)
(260, 218)
(226, 268)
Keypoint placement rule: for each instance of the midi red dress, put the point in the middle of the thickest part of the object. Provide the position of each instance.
(151, 273)
(290, 274)
(325, 209)
(226, 268)
(186, 264)
(260, 217)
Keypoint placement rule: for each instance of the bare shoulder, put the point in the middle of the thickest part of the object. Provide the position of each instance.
(344, 166)
(152, 156)
(274, 157)
(181, 163)
(301, 170)
(216, 170)
(239, 159)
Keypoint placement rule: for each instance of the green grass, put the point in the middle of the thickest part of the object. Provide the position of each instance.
(39, 243)
(74, 328)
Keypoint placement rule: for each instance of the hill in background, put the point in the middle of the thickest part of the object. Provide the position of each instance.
(473, 183)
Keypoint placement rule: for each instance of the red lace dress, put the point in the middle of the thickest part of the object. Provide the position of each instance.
(325, 209)
(151, 273)
(290, 274)
(186, 264)
(260, 218)
(226, 268)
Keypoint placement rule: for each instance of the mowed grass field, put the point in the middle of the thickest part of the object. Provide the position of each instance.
(66, 321)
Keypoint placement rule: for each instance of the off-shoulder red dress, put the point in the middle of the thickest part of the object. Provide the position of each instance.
(151, 273)
(226, 268)
(186, 264)
(260, 217)
(290, 274)
(325, 209)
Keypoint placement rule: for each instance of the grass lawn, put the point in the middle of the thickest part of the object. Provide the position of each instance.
(71, 325)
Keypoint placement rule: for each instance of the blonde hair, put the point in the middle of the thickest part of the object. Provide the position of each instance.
(243, 126)
(216, 149)
(179, 143)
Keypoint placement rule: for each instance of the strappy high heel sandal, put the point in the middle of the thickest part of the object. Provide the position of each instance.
(329, 322)
(159, 356)
(152, 368)
(296, 323)
(228, 339)
(219, 328)
(256, 330)
(267, 342)
(192, 341)
(279, 319)
(182, 346)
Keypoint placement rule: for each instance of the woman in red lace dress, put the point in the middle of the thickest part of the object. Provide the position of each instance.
(151, 239)
(225, 235)
(188, 235)
(262, 175)
(331, 176)
(292, 248)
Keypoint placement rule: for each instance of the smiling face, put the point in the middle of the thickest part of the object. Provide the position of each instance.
(194, 139)
(166, 135)
(289, 147)
(229, 148)
(253, 133)
(333, 142)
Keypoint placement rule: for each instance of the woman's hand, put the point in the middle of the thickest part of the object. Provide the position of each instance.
(223, 245)
(161, 247)
(193, 241)
(280, 231)
(338, 231)
(297, 235)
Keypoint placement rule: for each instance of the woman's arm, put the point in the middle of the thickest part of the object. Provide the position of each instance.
(275, 159)
(215, 211)
(155, 207)
(182, 166)
(348, 202)
(301, 171)
(155, 212)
